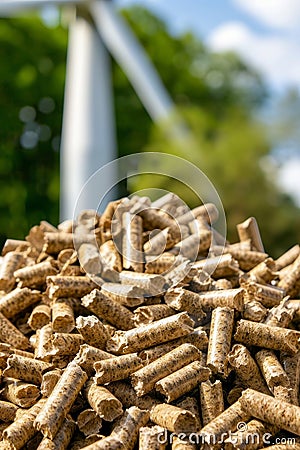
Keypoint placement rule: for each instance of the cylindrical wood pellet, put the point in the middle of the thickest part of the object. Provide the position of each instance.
(89, 422)
(132, 244)
(22, 429)
(271, 369)
(144, 379)
(103, 402)
(211, 399)
(155, 333)
(118, 368)
(92, 330)
(26, 369)
(261, 335)
(220, 340)
(62, 316)
(182, 381)
(266, 408)
(150, 437)
(59, 403)
(174, 419)
(246, 368)
(108, 309)
(62, 438)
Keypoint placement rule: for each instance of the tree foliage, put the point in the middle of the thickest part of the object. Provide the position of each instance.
(217, 95)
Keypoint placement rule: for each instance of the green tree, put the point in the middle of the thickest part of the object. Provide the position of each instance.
(32, 75)
(218, 96)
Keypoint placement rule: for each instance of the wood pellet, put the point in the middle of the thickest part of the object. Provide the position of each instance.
(114, 337)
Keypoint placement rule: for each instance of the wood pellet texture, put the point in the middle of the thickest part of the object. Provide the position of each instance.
(116, 344)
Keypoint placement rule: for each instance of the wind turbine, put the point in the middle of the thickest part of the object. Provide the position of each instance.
(88, 135)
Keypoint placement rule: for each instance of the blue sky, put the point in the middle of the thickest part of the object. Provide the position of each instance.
(266, 33)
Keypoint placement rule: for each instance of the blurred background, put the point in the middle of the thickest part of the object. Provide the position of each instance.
(232, 68)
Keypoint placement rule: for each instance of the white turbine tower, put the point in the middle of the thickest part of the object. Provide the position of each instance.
(88, 136)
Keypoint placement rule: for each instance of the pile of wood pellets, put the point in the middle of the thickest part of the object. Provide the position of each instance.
(143, 328)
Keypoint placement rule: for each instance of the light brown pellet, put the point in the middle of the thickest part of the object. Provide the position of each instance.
(89, 258)
(254, 311)
(126, 430)
(92, 330)
(11, 335)
(111, 260)
(271, 369)
(103, 402)
(174, 419)
(183, 300)
(182, 381)
(11, 262)
(40, 316)
(66, 344)
(207, 211)
(22, 429)
(191, 404)
(289, 282)
(247, 259)
(128, 397)
(108, 309)
(60, 401)
(49, 381)
(55, 242)
(43, 343)
(62, 438)
(281, 315)
(220, 340)
(127, 295)
(155, 333)
(261, 335)
(65, 286)
(219, 266)
(118, 368)
(267, 295)
(162, 241)
(17, 300)
(62, 315)
(132, 244)
(162, 263)
(26, 369)
(7, 411)
(192, 245)
(35, 275)
(246, 368)
(291, 365)
(150, 283)
(21, 394)
(271, 410)
(231, 298)
(288, 257)
(198, 338)
(220, 426)
(150, 437)
(145, 378)
(264, 272)
(249, 439)
(249, 230)
(11, 245)
(88, 355)
(148, 314)
(211, 399)
(89, 422)
(182, 272)
(283, 393)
